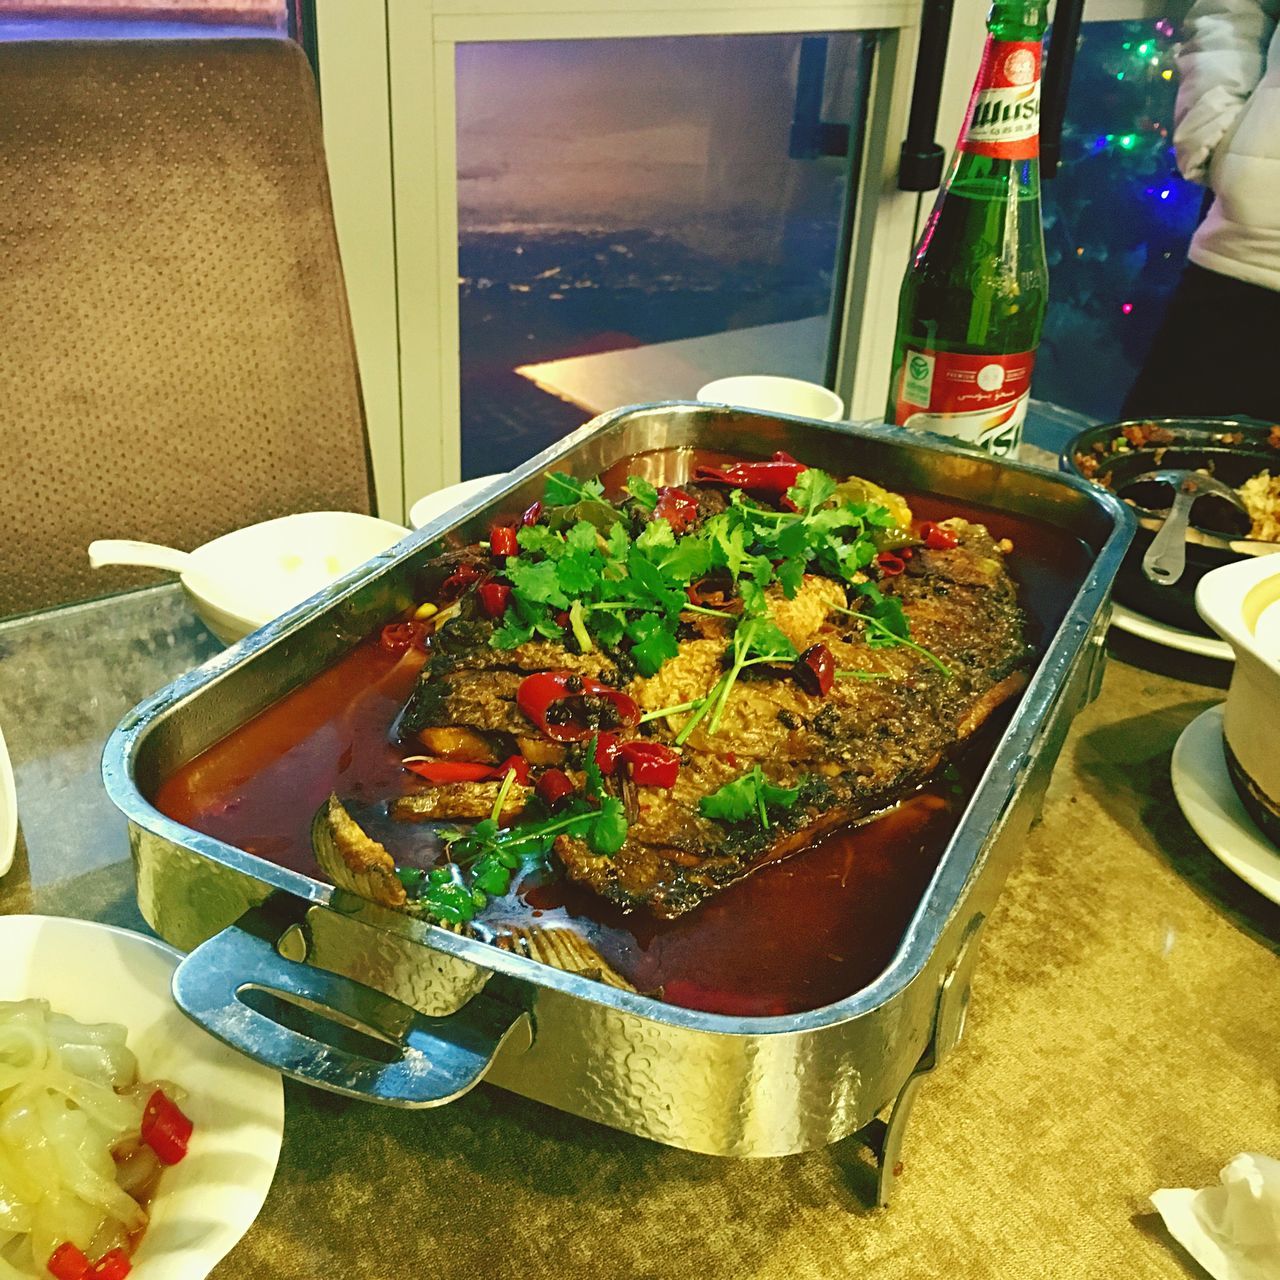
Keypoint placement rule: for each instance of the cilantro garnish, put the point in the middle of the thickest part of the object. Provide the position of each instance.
(482, 860)
(642, 491)
(886, 625)
(562, 490)
(756, 640)
(585, 570)
(751, 794)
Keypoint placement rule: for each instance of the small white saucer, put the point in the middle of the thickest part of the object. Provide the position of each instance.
(433, 505)
(1138, 624)
(1208, 800)
(95, 973)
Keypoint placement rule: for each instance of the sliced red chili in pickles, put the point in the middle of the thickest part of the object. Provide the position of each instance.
(502, 541)
(569, 707)
(890, 564)
(936, 538)
(494, 598)
(774, 477)
(554, 786)
(651, 764)
(400, 637)
(815, 670)
(66, 1262)
(443, 772)
(113, 1265)
(676, 507)
(531, 514)
(165, 1129)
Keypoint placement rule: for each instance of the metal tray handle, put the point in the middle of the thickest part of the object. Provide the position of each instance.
(431, 1061)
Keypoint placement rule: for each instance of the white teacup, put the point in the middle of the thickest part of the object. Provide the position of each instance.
(773, 394)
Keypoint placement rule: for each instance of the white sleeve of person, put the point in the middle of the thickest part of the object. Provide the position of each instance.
(1221, 60)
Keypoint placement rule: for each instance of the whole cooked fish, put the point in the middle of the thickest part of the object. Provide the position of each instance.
(892, 714)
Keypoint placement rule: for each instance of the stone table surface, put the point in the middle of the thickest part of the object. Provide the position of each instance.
(1124, 1035)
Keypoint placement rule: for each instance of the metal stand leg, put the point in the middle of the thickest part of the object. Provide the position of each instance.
(884, 1138)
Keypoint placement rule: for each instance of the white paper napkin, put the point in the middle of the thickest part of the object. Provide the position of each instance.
(1232, 1230)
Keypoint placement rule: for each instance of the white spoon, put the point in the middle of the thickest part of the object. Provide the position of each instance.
(149, 555)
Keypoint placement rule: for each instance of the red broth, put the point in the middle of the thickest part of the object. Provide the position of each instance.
(794, 935)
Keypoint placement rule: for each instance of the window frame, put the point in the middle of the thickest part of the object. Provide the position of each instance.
(389, 98)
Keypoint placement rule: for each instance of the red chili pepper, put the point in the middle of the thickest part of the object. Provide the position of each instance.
(494, 598)
(502, 541)
(458, 581)
(774, 477)
(554, 786)
(651, 763)
(607, 753)
(517, 765)
(890, 565)
(113, 1265)
(400, 637)
(815, 670)
(165, 1129)
(936, 538)
(446, 771)
(676, 507)
(564, 706)
(66, 1262)
(713, 590)
(562, 618)
(531, 514)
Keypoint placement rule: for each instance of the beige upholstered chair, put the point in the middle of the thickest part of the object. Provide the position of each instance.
(176, 356)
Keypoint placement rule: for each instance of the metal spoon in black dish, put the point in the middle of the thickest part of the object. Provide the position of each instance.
(1166, 557)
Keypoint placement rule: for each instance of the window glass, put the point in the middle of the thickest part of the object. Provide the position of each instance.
(146, 19)
(1117, 217)
(640, 216)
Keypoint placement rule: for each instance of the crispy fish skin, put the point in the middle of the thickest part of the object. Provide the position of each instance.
(354, 861)
(471, 801)
(860, 749)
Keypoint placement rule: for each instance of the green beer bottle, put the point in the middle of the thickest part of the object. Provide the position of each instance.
(973, 297)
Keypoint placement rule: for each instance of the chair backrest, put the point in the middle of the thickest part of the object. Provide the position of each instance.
(176, 355)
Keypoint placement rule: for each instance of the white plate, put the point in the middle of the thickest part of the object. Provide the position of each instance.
(96, 973)
(1208, 800)
(8, 810)
(428, 508)
(1138, 624)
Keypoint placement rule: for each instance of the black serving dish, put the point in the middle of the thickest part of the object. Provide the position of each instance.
(1114, 453)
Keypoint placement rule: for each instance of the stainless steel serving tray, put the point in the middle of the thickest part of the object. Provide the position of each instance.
(336, 991)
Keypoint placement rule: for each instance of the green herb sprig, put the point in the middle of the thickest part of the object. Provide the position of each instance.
(584, 569)
(751, 795)
(481, 861)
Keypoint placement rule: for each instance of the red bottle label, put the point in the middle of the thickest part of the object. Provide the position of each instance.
(981, 399)
(1004, 112)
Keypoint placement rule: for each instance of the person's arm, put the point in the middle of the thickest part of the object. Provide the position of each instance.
(1221, 60)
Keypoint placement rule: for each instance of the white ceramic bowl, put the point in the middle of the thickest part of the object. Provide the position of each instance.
(433, 505)
(244, 579)
(1241, 602)
(771, 394)
(94, 973)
